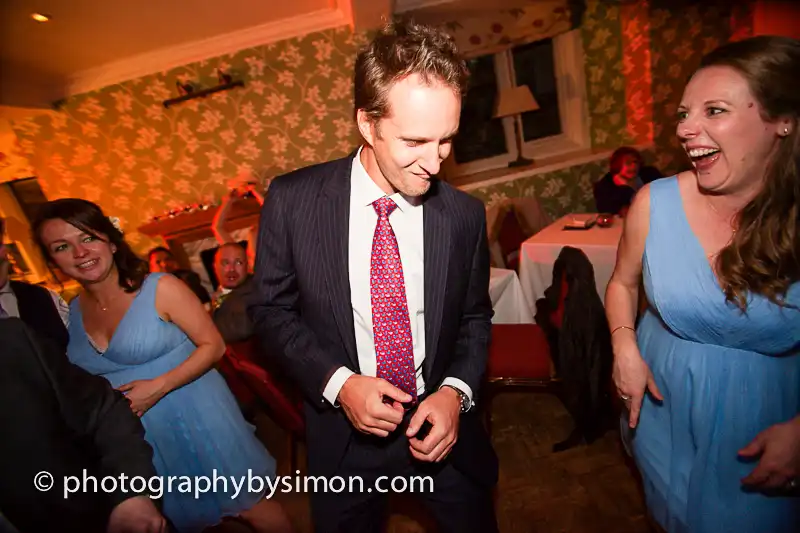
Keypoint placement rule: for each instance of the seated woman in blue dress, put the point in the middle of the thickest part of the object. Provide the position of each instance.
(614, 192)
(151, 338)
(711, 373)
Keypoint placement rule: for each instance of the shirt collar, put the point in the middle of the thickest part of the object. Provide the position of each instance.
(6, 289)
(365, 191)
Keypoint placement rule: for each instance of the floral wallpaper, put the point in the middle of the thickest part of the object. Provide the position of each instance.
(564, 191)
(121, 148)
(680, 35)
(605, 79)
(13, 163)
(636, 67)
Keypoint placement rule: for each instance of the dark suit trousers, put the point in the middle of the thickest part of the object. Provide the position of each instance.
(457, 503)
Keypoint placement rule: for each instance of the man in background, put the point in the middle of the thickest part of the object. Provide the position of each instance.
(230, 300)
(57, 421)
(40, 308)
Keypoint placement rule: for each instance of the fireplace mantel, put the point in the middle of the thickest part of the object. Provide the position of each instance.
(189, 227)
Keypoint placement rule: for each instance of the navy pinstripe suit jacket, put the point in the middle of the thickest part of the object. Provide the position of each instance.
(302, 310)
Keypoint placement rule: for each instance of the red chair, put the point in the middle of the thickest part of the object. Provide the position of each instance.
(238, 387)
(519, 358)
(285, 412)
(247, 350)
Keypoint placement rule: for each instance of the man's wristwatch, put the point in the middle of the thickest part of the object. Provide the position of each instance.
(466, 403)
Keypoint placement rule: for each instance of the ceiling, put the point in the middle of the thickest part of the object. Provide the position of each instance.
(89, 44)
(88, 33)
(86, 36)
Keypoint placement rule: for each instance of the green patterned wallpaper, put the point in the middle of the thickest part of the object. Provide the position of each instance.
(605, 83)
(681, 33)
(121, 148)
(563, 191)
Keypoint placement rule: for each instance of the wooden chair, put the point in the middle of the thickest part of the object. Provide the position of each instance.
(509, 223)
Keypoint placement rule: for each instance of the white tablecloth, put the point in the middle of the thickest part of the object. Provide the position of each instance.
(539, 253)
(508, 301)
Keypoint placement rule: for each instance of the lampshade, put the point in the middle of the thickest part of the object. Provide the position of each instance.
(514, 101)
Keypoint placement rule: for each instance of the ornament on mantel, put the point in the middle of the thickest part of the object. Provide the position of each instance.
(242, 186)
(172, 213)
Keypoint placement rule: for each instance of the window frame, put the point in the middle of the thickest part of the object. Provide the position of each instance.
(573, 110)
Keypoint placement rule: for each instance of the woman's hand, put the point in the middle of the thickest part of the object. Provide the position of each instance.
(144, 393)
(779, 465)
(631, 374)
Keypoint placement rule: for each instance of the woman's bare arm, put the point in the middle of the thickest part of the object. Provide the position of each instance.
(622, 293)
(631, 374)
(218, 224)
(176, 303)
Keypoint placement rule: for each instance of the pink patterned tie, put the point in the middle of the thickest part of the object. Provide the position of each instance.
(390, 320)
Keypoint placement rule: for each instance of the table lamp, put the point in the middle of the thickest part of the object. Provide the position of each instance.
(511, 103)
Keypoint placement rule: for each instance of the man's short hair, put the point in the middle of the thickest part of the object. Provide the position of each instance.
(157, 249)
(229, 245)
(400, 49)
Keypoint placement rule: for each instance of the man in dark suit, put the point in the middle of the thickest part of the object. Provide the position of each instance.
(59, 421)
(229, 302)
(371, 286)
(43, 310)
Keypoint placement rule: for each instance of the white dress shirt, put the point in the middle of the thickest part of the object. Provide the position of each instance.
(8, 300)
(406, 221)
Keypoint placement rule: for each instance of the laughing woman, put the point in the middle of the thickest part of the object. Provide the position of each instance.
(711, 375)
(150, 336)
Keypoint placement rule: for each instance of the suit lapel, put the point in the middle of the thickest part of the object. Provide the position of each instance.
(333, 225)
(436, 231)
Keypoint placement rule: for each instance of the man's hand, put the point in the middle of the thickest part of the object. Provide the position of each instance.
(442, 410)
(136, 515)
(364, 400)
(778, 450)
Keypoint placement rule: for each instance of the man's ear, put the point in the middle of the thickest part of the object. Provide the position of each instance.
(366, 127)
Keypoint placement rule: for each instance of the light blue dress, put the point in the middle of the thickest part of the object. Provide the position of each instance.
(196, 430)
(725, 377)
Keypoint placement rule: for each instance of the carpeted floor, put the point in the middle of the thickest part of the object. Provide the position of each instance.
(587, 489)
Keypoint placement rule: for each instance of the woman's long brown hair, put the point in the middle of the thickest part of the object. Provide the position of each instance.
(763, 257)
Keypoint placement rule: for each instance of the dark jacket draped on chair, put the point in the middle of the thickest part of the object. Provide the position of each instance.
(581, 344)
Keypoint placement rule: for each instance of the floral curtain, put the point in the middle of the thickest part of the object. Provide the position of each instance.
(494, 31)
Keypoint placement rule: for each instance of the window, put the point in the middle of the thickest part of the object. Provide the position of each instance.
(553, 70)
(29, 196)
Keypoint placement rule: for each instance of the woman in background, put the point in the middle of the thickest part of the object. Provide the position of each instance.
(711, 376)
(614, 192)
(150, 336)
